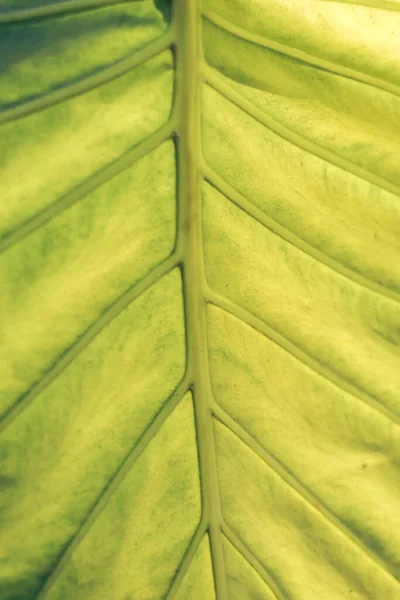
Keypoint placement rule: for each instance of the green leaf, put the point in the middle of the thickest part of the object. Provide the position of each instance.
(200, 292)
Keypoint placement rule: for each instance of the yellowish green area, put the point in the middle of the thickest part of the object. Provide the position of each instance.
(200, 300)
(342, 451)
(356, 123)
(43, 56)
(158, 500)
(305, 555)
(350, 330)
(45, 155)
(58, 457)
(69, 271)
(356, 37)
(334, 211)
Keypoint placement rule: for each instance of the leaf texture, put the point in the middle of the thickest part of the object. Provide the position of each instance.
(200, 291)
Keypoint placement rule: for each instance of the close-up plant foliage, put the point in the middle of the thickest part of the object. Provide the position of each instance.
(199, 300)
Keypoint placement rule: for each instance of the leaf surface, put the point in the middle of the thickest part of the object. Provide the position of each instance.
(200, 290)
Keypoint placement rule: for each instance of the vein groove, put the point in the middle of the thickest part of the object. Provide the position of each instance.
(301, 55)
(91, 184)
(241, 202)
(294, 138)
(115, 483)
(84, 340)
(294, 483)
(187, 560)
(269, 332)
(251, 559)
(56, 9)
(89, 83)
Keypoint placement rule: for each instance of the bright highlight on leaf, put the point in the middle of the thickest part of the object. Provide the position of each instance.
(200, 300)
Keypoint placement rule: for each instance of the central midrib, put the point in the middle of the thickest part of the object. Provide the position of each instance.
(187, 112)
